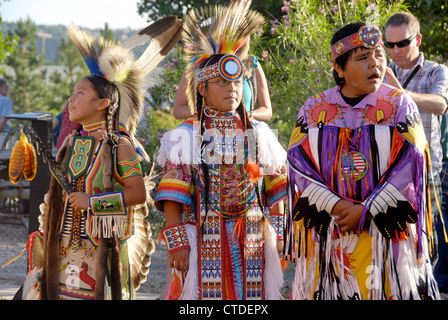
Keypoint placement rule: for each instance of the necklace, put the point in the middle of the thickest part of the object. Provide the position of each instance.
(353, 164)
(86, 129)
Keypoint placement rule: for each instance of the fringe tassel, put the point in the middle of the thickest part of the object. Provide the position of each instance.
(271, 154)
(107, 226)
(273, 274)
(191, 284)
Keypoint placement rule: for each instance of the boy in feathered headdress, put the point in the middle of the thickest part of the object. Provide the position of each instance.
(96, 240)
(359, 222)
(223, 181)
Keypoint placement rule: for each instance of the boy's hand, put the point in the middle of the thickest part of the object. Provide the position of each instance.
(348, 220)
(79, 200)
(180, 260)
(280, 245)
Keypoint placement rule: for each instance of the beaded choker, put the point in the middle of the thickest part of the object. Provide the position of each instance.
(86, 129)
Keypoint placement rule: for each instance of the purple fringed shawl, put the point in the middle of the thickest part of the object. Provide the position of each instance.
(315, 154)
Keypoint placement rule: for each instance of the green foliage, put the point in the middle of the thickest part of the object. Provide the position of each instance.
(32, 89)
(28, 86)
(159, 99)
(7, 44)
(164, 90)
(156, 9)
(433, 18)
(295, 52)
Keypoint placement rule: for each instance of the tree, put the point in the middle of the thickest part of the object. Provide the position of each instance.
(7, 44)
(28, 86)
(62, 84)
(433, 18)
(156, 9)
(296, 54)
(107, 33)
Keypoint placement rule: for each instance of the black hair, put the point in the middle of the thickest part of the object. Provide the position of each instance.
(342, 60)
(106, 89)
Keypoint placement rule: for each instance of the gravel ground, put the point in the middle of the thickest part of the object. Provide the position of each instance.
(13, 238)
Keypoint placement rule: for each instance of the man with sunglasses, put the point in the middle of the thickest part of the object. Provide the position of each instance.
(427, 83)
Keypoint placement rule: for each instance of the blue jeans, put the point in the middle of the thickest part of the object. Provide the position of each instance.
(441, 267)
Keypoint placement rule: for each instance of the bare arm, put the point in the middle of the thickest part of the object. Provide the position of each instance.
(429, 102)
(433, 103)
(3, 122)
(181, 110)
(264, 110)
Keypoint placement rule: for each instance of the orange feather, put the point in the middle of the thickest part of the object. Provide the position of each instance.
(175, 288)
(253, 171)
(17, 160)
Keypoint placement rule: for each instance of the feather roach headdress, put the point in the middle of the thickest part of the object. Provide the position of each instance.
(217, 30)
(117, 64)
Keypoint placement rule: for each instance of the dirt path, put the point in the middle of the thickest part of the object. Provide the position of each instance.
(13, 238)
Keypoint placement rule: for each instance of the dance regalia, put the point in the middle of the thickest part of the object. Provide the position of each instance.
(233, 251)
(374, 154)
(74, 257)
(86, 247)
(109, 245)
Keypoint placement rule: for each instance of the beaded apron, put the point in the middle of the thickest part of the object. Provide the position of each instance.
(77, 267)
(231, 247)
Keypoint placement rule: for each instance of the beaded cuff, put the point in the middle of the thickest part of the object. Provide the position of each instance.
(278, 223)
(176, 237)
(108, 214)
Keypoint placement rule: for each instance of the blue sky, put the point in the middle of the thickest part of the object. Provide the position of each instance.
(82, 13)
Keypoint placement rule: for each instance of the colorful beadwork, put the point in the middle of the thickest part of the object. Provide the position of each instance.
(176, 237)
(230, 226)
(229, 67)
(80, 156)
(129, 168)
(107, 204)
(278, 222)
(368, 36)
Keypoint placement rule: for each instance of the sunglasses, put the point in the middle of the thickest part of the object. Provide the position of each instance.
(399, 44)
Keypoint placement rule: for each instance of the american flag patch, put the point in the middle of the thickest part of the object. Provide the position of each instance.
(354, 165)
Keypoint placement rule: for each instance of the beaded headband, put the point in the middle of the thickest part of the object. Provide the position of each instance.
(229, 67)
(368, 36)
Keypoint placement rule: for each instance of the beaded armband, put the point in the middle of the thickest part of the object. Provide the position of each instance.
(278, 223)
(129, 168)
(176, 237)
